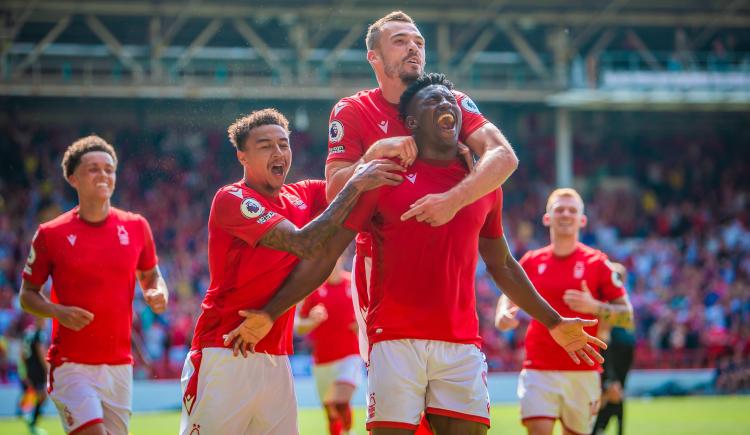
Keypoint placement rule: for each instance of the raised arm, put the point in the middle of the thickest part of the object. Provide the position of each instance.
(307, 242)
(512, 279)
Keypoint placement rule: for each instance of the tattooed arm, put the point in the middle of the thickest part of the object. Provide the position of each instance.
(618, 312)
(308, 241)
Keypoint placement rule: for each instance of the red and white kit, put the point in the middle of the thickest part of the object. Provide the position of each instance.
(549, 375)
(258, 390)
(335, 350)
(93, 267)
(422, 322)
(357, 122)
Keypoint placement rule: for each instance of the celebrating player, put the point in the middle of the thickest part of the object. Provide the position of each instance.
(328, 316)
(422, 324)
(367, 126)
(577, 281)
(255, 238)
(93, 254)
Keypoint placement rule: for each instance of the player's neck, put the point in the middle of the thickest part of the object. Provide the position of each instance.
(391, 88)
(430, 151)
(93, 211)
(264, 189)
(562, 246)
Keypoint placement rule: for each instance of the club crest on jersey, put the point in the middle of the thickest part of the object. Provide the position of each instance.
(578, 270)
(251, 208)
(123, 235)
(541, 268)
(335, 131)
(469, 105)
(295, 200)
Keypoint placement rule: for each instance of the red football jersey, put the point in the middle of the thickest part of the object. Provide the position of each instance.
(358, 121)
(422, 280)
(92, 267)
(334, 338)
(245, 275)
(552, 275)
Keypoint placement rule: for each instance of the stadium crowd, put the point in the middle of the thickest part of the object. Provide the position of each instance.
(675, 210)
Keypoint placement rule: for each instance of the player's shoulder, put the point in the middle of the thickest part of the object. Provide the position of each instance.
(59, 222)
(466, 103)
(234, 192)
(126, 216)
(540, 254)
(304, 187)
(356, 102)
(592, 255)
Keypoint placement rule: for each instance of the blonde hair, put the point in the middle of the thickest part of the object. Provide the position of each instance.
(563, 192)
(373, 32)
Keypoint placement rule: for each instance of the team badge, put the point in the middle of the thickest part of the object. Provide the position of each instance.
(541, 268)
(578, 270)
(251, 208)
(123, 235)
(469, 105)
(335, 131)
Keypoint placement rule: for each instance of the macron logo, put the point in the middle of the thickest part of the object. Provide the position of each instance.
(411, 177)
(72, 239)
(383, 126)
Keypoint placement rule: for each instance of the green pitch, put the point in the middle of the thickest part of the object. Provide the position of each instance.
(684, 416)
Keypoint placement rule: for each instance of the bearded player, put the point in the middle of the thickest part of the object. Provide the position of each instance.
(93, 253)
(577, 281)
(425, 347)
(368, 126)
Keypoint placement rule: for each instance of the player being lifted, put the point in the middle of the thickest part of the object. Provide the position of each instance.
(367, 126)
(258, 229)
(422, 324)
(93, 253)
(577, 281)
(328, 316)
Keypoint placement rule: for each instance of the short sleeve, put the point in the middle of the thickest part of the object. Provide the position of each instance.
(148, 259)
(471, 117)
(344, 138)
(611, 285)
(493, 224)
(360, 216)
(38, 264)
(248, 218)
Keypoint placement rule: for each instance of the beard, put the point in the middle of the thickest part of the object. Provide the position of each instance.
(398, 70)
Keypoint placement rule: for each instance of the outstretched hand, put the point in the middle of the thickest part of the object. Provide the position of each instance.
(576, 341)
(243, 338)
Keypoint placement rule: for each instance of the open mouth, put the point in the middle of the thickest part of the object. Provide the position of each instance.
(277, 169)
(446, 121)
(413, 61)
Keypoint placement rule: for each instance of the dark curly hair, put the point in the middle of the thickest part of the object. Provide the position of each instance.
(421, 83)
(241, 128)
(72, 156)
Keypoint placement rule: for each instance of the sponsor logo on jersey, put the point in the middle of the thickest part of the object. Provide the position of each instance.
(266, 217)
(338, 149)
(578, 270)
(411, 177)
(72, 239)
(123, 235)
(384, 126)
(251, 208)
(295, 200)
(335, 131)
(469, 105)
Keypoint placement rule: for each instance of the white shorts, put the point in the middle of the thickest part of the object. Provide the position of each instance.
(227, 394)
(407, 377)
(571, 396)
(346, 370)
(87, 394)
(360, 311)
